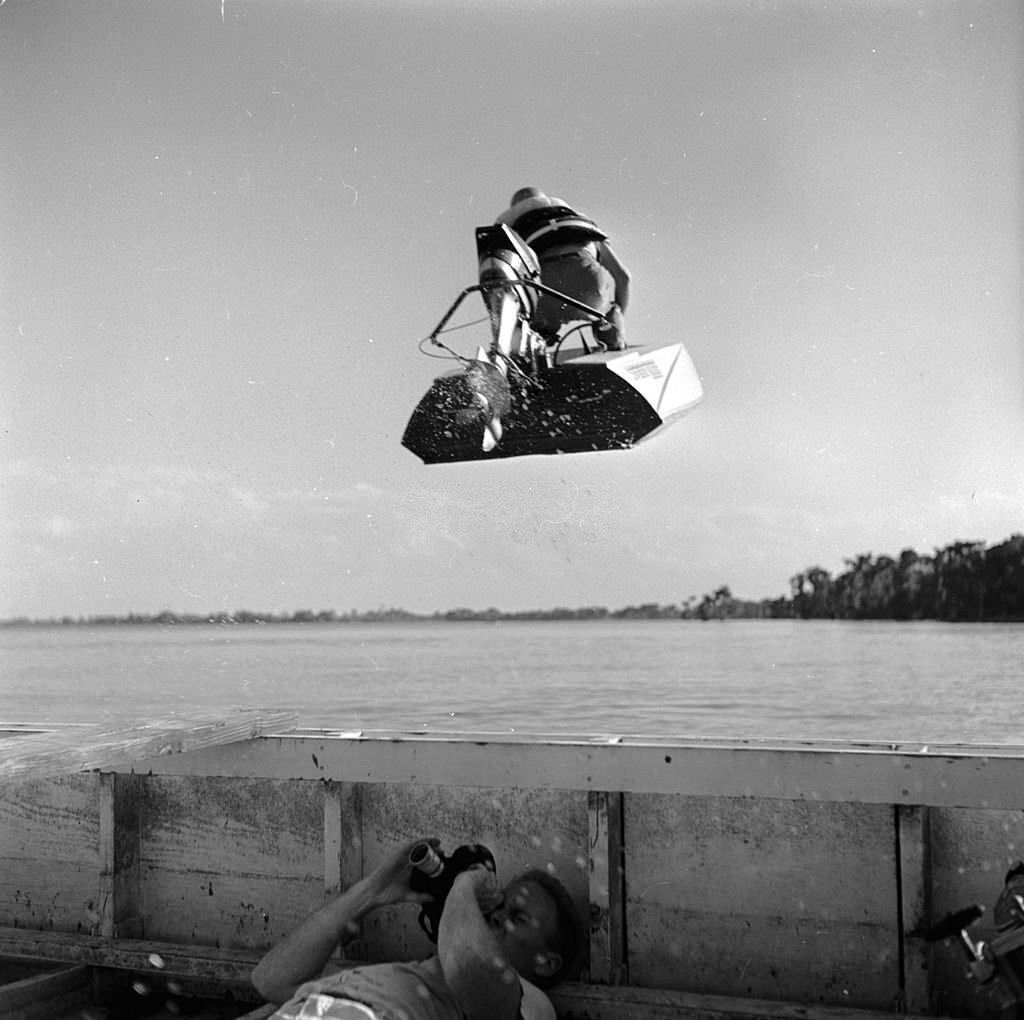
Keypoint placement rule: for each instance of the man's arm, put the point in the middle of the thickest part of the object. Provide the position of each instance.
(301, 956)
(619, 272)
(473, 961)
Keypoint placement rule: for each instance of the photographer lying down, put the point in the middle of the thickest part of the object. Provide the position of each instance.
(496, 948)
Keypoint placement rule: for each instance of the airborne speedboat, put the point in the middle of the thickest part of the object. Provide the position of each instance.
(524, 395)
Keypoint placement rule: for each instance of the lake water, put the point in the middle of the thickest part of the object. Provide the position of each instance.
(927, 682)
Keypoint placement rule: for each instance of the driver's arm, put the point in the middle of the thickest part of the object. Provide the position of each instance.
(472, 959)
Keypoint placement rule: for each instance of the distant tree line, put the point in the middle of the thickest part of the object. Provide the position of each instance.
(965, 581)
(388, 615)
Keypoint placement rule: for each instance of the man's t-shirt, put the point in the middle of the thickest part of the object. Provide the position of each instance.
(393, 991)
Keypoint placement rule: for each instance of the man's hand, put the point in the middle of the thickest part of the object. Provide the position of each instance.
(486, 888)
(389, 882)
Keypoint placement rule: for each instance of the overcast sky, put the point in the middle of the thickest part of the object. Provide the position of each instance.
(225, 226)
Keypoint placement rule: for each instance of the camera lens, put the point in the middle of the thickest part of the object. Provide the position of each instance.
(426, 859)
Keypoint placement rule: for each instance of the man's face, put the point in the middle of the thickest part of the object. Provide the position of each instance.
(526, 925)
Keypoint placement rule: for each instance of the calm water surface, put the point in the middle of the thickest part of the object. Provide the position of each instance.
(925, 682)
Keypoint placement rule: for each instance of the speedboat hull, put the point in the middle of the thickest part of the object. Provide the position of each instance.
(610, 400)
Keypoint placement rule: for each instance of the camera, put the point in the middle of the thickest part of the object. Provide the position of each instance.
(435, 873)
(996, 963)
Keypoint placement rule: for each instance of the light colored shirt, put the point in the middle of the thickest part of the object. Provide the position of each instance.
(393, 991)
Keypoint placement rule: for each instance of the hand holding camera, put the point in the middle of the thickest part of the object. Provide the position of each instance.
(434, 873)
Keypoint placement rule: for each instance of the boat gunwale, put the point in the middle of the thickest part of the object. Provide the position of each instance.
(960, 776)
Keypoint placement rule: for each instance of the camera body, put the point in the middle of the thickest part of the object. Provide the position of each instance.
(997, 963)
(434, 873)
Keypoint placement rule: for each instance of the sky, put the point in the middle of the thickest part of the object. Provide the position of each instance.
(225, 227)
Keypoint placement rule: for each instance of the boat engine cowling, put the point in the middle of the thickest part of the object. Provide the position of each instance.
(503, 256)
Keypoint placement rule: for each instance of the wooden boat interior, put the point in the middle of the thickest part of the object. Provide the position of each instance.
(721, 878)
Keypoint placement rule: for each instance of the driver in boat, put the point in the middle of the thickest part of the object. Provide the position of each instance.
(496, 949)
(576, 259)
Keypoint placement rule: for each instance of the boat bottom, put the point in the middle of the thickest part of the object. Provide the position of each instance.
(52, 991)
(45, 990)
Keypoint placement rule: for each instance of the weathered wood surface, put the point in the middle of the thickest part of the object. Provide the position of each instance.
(49, 853)
(65, 750)
(728, 898)
(236, 864)
(573, 1000)
(593, 1002)
(760, 891)
(606, 866)
(991, 778)
(29, 729)
(167, 959)
(914, 860)
(119, 853)
(653, 740)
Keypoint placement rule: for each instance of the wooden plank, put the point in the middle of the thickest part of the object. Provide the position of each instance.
(594, 1002)
(343, 835)
(128, 820)
(789, 901)
(24, 729)
(332, 837)
(233, 863)
(871, 777)
(101, 747)
(107, 864)
(572, 1000)
(353, 862)
(174, 960)
(119, 854)
(233, 911)
(606, 864)
(914, 850)
(55, 819)
(344, 861)
(249, 827)
(649, 740)
(49, 839)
